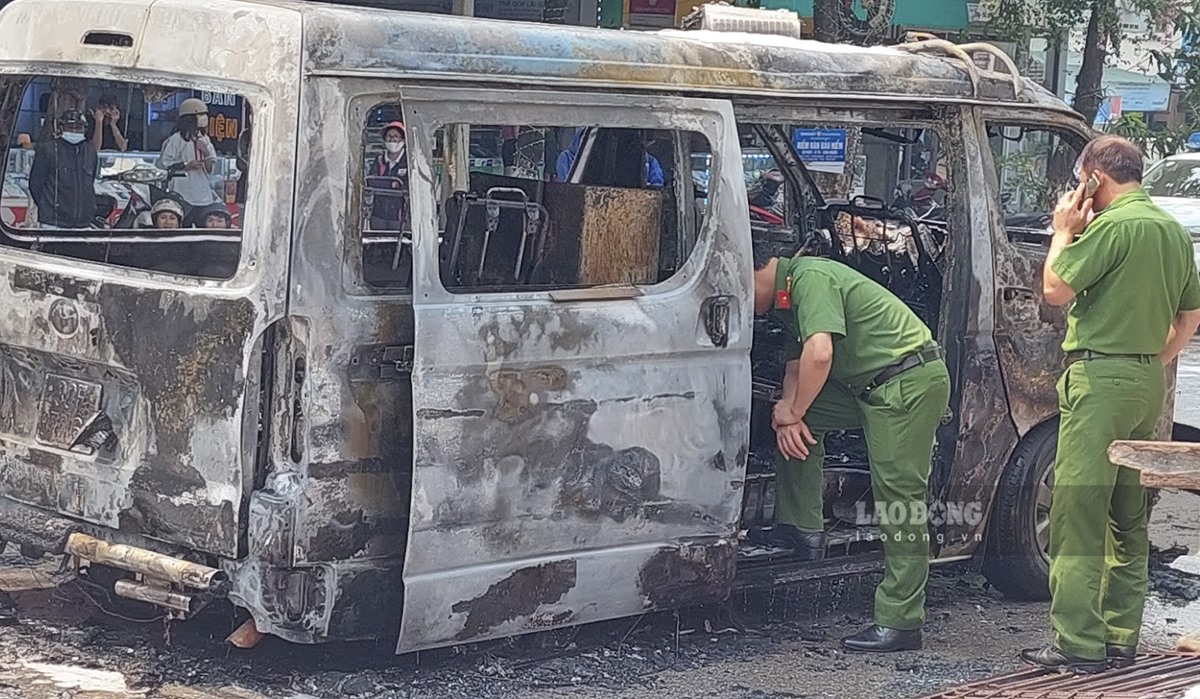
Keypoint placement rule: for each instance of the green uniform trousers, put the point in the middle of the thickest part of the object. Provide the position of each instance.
(900, 420)
(1099, 539)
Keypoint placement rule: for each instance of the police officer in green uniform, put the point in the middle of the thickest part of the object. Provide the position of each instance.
(1132, 276)
(860, 359)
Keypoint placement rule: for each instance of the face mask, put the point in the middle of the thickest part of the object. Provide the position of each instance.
(73, 138)
(394, 147)
(202, 121)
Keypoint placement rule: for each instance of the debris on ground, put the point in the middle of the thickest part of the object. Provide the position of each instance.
(1173, 582)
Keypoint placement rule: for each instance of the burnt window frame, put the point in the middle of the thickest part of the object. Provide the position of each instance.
(257, 101)
(506, 105)
(987, 118)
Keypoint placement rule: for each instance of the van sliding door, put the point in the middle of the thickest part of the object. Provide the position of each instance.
(580, 407)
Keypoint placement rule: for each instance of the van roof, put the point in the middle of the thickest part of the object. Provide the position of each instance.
(341, 40)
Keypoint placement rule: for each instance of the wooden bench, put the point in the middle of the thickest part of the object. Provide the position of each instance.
(1168, 465)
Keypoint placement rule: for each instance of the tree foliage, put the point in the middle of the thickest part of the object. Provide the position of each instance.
(1022, 20)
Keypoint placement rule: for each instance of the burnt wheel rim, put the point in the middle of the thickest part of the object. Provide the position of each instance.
(1041, 513)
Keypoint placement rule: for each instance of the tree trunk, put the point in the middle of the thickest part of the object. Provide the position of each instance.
(825, 21)
(1089, 91)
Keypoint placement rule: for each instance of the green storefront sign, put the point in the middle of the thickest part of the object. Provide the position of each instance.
(924, 14)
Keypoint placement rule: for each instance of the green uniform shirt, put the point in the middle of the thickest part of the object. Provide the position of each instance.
(1132, 271)
(871, 328)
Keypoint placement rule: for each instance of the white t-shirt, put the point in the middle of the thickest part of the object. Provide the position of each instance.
(193, 185)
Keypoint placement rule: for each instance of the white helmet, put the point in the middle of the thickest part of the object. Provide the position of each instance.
(192, 107)
(167, 204)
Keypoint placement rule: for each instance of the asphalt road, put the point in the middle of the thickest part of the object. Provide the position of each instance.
(774, 646)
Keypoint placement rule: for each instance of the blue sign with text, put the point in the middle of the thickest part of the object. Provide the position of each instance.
(820, 145)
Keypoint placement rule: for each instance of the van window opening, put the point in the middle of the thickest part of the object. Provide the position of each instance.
(151, 177)
(1034, 165)
(535, 207)
(883, 200)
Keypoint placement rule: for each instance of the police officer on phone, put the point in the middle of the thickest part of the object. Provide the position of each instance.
(1129, 269)
(858, 357)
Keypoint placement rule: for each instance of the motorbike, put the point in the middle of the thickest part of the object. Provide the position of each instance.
(144, 186)
(766, 205)
(922, 203)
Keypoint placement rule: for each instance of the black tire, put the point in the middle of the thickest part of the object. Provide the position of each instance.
(1014, 561)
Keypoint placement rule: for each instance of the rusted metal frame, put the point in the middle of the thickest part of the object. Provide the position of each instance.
(144, 562)
(158, 596)
(326, 532)
(968, 318)
(1154, 675)
(964, 210)
(418, 77)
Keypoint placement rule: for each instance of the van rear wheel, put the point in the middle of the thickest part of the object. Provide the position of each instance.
(1017, 561)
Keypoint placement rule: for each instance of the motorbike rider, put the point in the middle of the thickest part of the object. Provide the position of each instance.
(389, 172)
(190, 150)
(767, 191)
(62, 177)
(167, 214)
(216, 217)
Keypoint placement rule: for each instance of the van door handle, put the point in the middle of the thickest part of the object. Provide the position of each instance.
(715, 312)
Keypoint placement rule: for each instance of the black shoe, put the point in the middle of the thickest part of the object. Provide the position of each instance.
(880, 639)
(1121, 656)
(1052, 658)
(8, 609)
(808, 546)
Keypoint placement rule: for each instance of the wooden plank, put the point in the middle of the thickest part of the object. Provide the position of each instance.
(1163, 464)
(621, 234)
(1189, 643)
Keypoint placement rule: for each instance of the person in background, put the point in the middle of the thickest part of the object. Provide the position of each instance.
(389, 172)
(1128, 270)
(215, 217)
(62, 177)
(24, 141)
(105, 126)
(190, 150)
(653, 172)
(167, 214)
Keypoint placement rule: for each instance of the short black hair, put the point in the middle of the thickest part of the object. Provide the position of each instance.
(763, 253)
(1116, 157)
(108, 101)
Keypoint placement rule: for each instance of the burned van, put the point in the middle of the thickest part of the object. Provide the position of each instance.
(387, 325)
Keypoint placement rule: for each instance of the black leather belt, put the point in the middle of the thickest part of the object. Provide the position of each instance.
(912, 361)
(1083, 355)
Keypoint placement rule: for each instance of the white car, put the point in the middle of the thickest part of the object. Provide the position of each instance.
(1174, 184)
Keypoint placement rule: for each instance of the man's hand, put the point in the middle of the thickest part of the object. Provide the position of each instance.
(784, 414)
(1074, 213)
(794, 440)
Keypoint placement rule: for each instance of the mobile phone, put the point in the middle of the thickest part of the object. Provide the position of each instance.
(1089, 189)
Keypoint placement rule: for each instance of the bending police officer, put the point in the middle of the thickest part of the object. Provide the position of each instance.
(858, 358)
